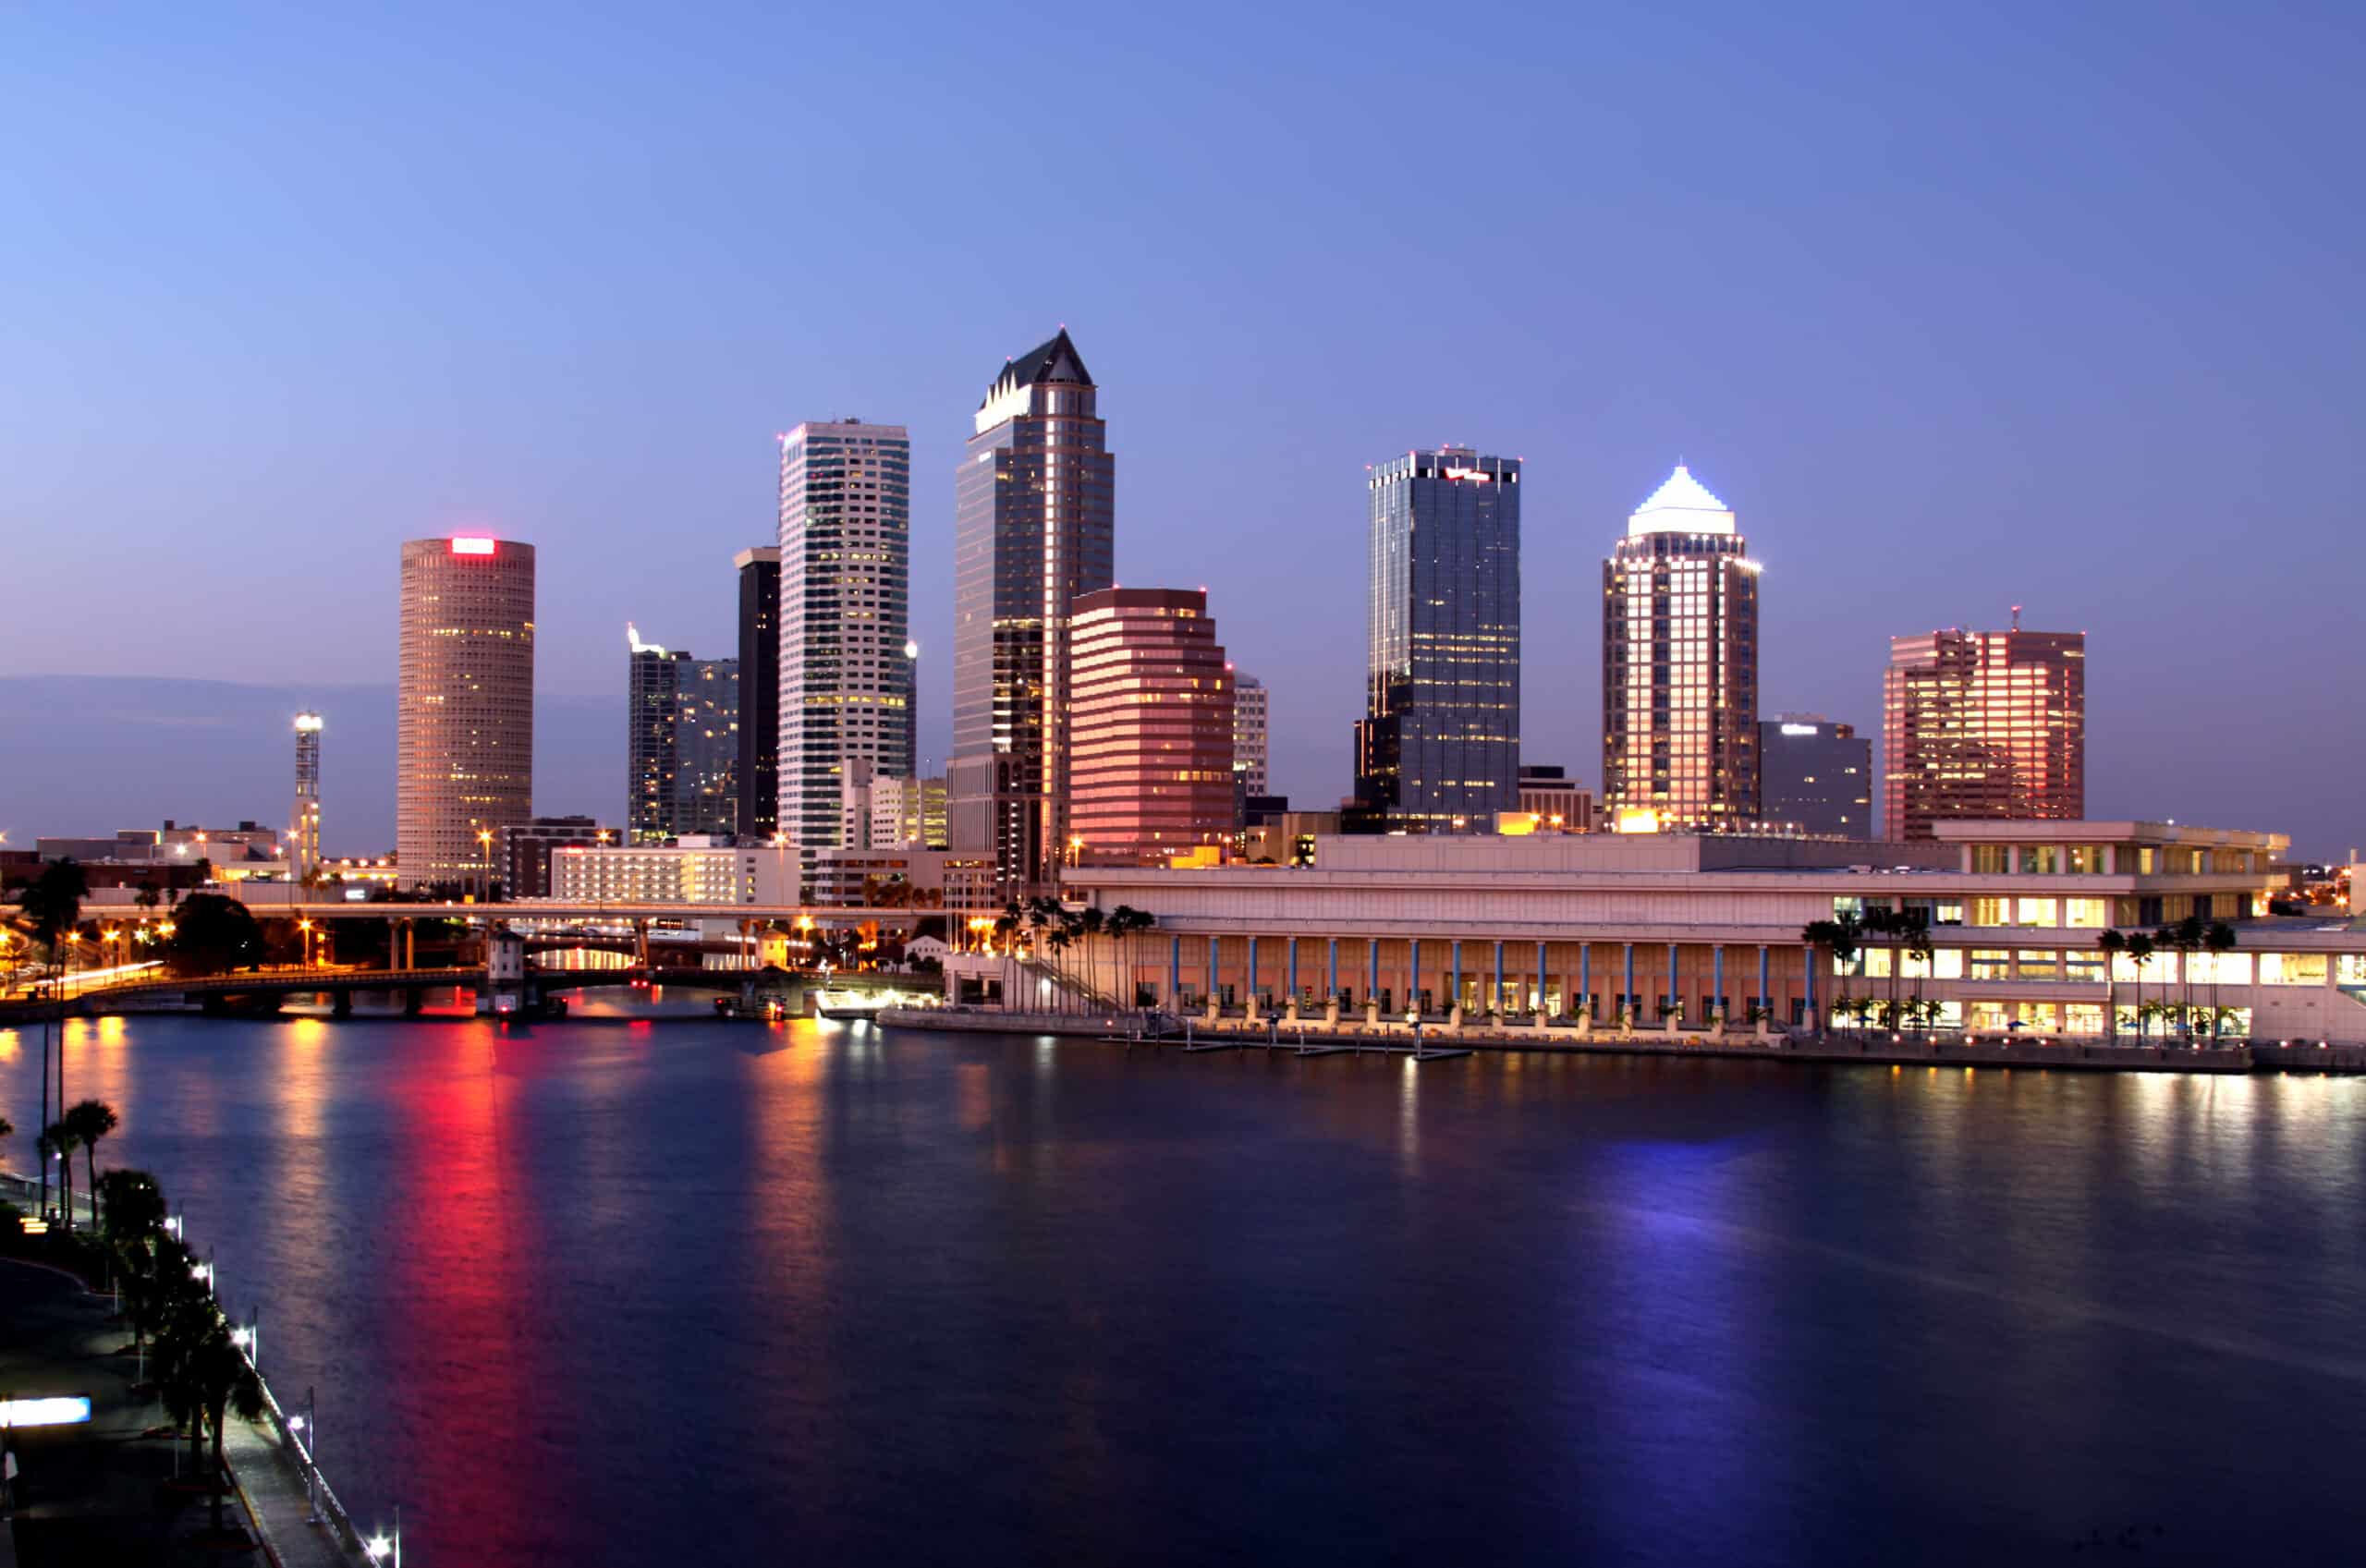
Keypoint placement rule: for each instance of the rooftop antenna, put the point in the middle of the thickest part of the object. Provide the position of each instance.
(2017, 617)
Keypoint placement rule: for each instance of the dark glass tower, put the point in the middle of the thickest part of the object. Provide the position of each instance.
(759, 780)
(1035, 525)
(654, 741)
(1438, 747)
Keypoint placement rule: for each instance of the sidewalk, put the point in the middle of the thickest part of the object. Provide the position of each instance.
(105, 1493)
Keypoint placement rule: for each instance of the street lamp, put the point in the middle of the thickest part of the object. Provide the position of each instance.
(485, 859)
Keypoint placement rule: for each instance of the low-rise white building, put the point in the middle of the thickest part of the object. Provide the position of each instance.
(689, 870)
(1660, 925)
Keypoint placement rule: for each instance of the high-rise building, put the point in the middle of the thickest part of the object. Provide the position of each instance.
(1150, 732)
(757, 815)
(1679, 666)
(1035, 527)
(845, 616)
(707, 738)
(1438, 747)
(304, 818)
(1249, 732)
(1983, 725)
(682, 748)
(652, 745)
(1816, 775)
(464, 765)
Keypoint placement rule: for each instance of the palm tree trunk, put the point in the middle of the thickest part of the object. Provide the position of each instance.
(213, 1487)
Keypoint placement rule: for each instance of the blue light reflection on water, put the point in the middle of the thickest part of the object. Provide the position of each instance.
(631, 1292)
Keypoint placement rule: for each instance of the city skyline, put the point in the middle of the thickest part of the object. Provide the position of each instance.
(1914, 429)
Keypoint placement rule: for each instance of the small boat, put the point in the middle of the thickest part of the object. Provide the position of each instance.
(848, 1007)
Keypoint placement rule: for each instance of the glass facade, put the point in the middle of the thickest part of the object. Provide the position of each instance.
(845, 619)
(682, 745)
(1680, 665)
(1986, 725)
(758, 814)
(1154, 728)
(1438, 747)
(1816, 775)
(1035, 524)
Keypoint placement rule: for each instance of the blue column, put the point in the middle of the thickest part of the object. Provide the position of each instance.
(1453, 981)
(1585, 976)
(1540, 973)
(1252, 969)
(1673, 994)
(1495, 1002)
(1811, 974)
(1212, 965)
(1371, 983)
(1413, 972)
(1175, 971)
(1629, 989)
(1333, 994)
(1717, 968)
(1765, 999)
(1293, 968)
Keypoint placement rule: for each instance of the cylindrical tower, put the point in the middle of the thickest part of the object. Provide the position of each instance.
(464, 761)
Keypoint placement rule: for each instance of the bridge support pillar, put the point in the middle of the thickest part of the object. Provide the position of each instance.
(413, 1000)
(409, 957)
(341, 1005)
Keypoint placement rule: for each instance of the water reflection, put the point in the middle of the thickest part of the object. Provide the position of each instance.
(602, 1292)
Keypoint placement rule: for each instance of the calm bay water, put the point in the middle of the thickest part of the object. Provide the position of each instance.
(609, 1292)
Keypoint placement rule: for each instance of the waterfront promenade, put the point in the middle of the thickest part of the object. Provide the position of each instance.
(119, 1490)
(1876, 1047)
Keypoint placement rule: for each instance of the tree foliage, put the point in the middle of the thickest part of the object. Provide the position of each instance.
(212, 935)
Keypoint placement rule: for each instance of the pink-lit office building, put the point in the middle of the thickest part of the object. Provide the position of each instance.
(1152, 728)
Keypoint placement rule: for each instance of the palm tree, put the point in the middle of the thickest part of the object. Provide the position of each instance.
(1092, 923)
(90, 1120)
(2111, 944)
(1841, 937)
(224, 1382)
(2140, 953)
(1056, 940)
(2220, 939)
(58, 1139)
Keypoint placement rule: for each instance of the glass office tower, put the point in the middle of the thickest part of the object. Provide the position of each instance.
(758, 812)
(1984, 725)
(1035, 526)
(1438, 747)
(1679, 666)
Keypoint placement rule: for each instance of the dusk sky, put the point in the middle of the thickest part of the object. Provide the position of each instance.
(1958, 306)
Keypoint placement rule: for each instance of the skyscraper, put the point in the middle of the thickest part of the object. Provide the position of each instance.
(1035, 526)
(304, 818)
(707, 741)
(1249, 732)
(653, 744)
(1983, 725)
(464, 764)
(1438, 747)
(1816, 775)
(758, 814)
(1679, 665)
(1152, 723)
(845, 616)
(682, 748)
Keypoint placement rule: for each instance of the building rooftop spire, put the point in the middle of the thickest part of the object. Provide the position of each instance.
(1682, 504)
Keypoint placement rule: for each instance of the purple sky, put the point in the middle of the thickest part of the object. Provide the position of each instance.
(1960, 306)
